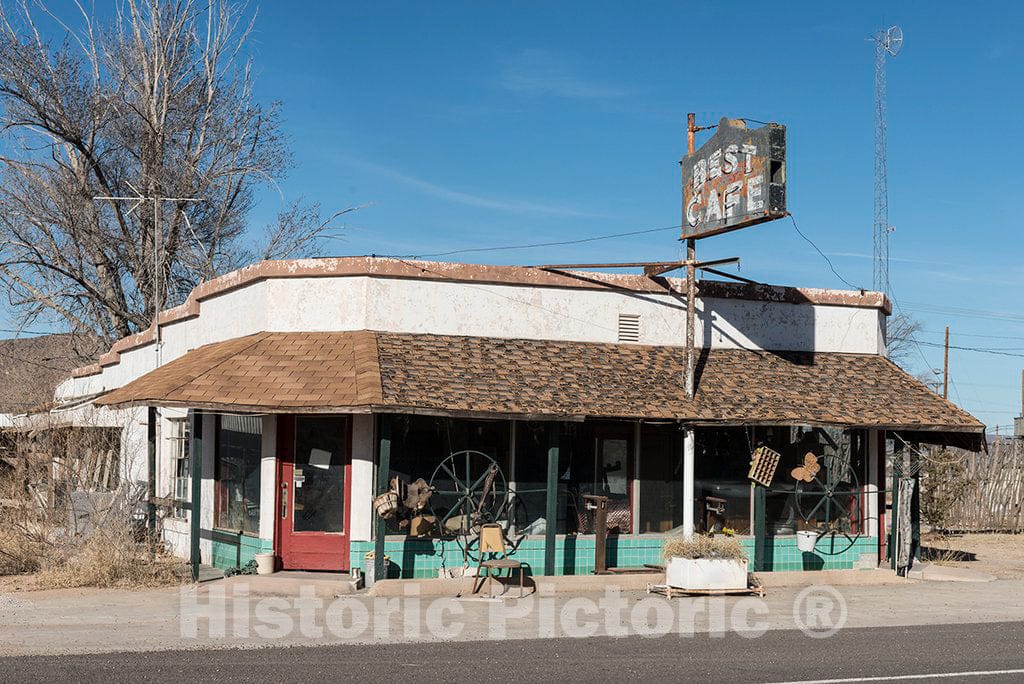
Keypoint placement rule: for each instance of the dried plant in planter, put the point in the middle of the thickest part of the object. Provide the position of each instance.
(700, 546)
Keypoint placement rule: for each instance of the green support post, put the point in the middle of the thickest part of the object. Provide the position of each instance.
(151, 467)
(195, 455)
(760, 530)
(383, 475)
(894, 513)
(551, 514)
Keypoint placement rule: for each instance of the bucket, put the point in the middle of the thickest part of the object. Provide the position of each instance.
(369, 570)
(806, 539)
(264, 563)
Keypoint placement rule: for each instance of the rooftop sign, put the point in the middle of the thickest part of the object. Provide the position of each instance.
(736, 179)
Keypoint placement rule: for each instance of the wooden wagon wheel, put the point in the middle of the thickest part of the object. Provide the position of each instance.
(831, 489)
(469, 490)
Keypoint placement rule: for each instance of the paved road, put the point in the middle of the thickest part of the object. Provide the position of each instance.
(777, 656)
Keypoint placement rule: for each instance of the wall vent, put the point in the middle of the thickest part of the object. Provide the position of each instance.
(629, 327)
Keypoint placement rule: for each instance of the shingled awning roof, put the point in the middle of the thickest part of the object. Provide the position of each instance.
(392, 372)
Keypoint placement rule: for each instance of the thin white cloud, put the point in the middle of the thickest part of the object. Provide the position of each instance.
(512, 205)
(540, 72)
(902, 260)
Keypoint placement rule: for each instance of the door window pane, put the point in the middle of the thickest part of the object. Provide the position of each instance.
(319, 475)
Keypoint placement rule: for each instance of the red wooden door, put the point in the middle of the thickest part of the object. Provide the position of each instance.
(313, 491)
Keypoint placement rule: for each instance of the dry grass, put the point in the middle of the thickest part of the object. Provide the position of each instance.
(700, 546)
(111, 556)
(19, 553)
(107, 559)
(50, 542)
(940, 556)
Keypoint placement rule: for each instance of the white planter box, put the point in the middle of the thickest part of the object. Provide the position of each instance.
(706, 573)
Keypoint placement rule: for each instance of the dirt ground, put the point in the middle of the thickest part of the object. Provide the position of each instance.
(1001, 555)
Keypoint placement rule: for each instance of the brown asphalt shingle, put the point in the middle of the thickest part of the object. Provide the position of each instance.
(323, 372)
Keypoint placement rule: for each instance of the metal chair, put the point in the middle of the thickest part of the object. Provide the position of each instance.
(492, 541)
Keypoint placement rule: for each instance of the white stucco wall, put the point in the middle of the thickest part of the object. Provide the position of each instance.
(492, 310)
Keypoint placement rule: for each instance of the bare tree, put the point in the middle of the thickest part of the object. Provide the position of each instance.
(157, 103)
(900, 341)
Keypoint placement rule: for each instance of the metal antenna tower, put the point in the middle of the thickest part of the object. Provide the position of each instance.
(887, 43)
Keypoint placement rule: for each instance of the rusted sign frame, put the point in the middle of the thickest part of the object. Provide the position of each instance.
(735, 180)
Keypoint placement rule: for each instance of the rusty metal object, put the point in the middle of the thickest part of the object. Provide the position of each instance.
(599, 504)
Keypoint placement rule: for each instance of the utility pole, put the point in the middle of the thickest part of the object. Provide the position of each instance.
(945, 368)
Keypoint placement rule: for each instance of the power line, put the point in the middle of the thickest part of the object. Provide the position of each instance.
(12, 331)
(963, 311)
(917, 345)
(980, 350)
(823, 256)
(20, 358)
(962, 334)
(536, 245)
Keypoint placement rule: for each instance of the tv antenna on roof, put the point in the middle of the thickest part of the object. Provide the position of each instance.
(887, 42)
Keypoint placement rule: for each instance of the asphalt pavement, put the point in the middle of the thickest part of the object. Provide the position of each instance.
(982, 652)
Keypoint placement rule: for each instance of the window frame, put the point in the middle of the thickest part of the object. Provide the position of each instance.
(180, 458)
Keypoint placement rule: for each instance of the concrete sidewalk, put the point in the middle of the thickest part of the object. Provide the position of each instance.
(632, 581)
(84, 621)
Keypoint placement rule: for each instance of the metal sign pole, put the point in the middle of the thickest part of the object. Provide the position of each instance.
(691, 318)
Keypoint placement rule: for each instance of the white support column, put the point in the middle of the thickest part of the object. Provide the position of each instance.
(636, 478)
(361, 499)
(512, 522)
(268, 477)
(208, 465)
(872, 520)
(688, 498)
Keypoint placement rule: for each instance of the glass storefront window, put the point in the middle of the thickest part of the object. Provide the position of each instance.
(721, 487)
(661, 478)
(239, 446)
(419, 445)
(597, 458)
(594, 458)
(836, 458)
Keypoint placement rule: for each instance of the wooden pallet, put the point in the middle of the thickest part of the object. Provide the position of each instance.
(673, 592)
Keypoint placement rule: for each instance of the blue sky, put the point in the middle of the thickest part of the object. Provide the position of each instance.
(482, 124)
